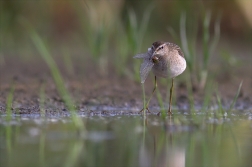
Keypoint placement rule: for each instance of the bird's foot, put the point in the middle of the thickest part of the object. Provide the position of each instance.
(144, 109)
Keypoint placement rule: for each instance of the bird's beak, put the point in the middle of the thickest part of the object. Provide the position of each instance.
(155, 59)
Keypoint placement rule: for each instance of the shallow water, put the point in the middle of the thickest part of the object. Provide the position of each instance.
(182, 140)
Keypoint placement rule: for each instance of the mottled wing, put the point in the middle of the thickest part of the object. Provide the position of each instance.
(145, 69)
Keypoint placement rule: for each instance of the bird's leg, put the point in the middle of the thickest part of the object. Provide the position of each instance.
(170, 101)
(171, 90)
(154, 89)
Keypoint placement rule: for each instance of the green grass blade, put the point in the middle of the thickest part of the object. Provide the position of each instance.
(57, 78)
(144, 25)
(53, 68)
(144, 99)
(183, 36)
(207, 97)
(160, 102)
(206, 37)
(45, 54)
(236, 96)
(190, 94)
(220, 104)
(216, 36)
(42, 102)
(9, 104)
(174, 35)
(74, 154)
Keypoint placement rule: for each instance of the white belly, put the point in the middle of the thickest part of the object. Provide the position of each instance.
(170, 69)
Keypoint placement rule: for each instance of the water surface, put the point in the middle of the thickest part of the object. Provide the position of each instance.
(182, 140)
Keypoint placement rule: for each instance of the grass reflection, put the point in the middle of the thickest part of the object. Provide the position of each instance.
(183, 140)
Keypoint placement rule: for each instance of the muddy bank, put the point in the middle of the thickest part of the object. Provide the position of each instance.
(100, 101)
(109, 94)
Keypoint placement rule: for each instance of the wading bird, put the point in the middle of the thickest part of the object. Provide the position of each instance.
(166, 60)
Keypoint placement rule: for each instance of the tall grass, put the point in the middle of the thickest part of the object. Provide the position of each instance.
(144, 99)
(98, 30)
(74, 153)
(161, 103)
(136, 31)
(42, 140)
(8, 129)
(9, 101)
(235, 97)
(9, 136)
(208, 93)
(198, 63)
(227, 112)
(98, 45)
(123, 53)
(220, 109)
(42, 102)
(58, 80)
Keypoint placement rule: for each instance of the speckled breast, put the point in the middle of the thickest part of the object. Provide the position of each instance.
(170, 68)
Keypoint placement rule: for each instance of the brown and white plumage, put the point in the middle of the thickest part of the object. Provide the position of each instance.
(165, 59)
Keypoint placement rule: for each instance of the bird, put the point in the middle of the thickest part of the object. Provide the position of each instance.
(166, 60)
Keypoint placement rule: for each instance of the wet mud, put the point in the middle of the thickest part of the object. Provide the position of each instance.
(96, 94)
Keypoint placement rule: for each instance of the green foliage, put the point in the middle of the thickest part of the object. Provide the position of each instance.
(226, 112)
(235, 97)
(208, 93)
(135, 33)
(98, 40)
(9, 104)
(221, 109)
(161, 103)
(190, 94)
(144, 99)
(42, 101)
(59, 82)
(97, 33)
(198, 64)
(57, 78)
